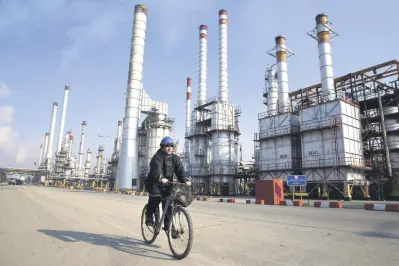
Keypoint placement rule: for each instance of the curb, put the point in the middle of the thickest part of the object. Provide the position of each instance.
(202, 198)
(381, 207)
(252, 201)
(325, 204)
(296, 203)
(228, 200)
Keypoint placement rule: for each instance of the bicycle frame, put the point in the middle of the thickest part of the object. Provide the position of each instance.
(169, 203)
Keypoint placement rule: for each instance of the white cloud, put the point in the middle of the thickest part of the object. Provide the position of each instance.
(15, 152)
(4, 90)
(6, 114)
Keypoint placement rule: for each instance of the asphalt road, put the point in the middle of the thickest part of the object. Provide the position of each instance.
(49, 226)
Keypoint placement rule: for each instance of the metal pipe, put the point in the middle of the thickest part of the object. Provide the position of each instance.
(223, 58)
(62, 123)
(203, 37)
(325, 58)
(128, 162)
(49, 154)
(272, 97)
(82, 139)
(384, 133)
(282, 74)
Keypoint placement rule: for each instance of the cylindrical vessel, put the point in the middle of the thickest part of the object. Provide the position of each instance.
(40, 155)
(46, 137)
(128, 161)
(325, 58)
(62, 122)
(118, 137)
(203, 54)
(223, 59)
(272, 97)
(82, 139)
(282, 74)
(49, 155)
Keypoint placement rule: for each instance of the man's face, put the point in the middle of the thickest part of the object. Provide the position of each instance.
(168, 149)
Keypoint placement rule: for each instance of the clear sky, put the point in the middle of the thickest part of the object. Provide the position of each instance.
(47, 44)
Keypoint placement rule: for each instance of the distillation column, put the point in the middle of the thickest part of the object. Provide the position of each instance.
(272, 97)
(62, 122)
(49, 152)
(82, 138)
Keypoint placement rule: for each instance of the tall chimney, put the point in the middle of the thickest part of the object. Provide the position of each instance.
(128, 162)
(118, 137)
(203, 37)
(49, 154)
(272, 91)
(282, 74)
(82, 139)
(223, 61)
(62, 123)
(45, 146)
(40, 155)
(188, 106)
(323, 31)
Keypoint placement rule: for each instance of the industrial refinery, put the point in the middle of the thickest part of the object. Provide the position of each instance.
(342, 133)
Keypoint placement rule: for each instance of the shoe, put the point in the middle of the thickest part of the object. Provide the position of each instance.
(149, 222)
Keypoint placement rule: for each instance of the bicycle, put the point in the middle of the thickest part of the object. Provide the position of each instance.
(181, 197)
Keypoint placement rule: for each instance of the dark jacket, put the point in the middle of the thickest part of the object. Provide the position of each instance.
(162, 164)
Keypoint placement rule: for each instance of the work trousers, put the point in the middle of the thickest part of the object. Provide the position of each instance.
(153, 203)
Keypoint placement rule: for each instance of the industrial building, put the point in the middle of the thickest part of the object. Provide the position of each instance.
(342, 133)
(212, 131)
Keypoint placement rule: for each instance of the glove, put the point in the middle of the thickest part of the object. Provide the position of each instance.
(188, 183)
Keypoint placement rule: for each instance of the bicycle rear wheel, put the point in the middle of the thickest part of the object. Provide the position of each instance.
(152, 234)
(177, 232)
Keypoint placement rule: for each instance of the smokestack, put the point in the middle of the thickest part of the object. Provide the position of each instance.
(203, 36)
(324, 31)
(100, 159)
(49, 154)
(82, 139)
(128, 162)
(62, 123)
(188, 106)
(282, 74)
(223, 64)
(45, 146)
(118, 138)
(272, 90)
(40, 155)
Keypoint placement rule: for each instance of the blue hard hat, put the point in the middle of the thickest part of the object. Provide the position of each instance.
(167, 141)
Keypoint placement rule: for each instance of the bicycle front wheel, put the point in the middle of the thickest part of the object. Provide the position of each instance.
(149, 232)
(181, 233)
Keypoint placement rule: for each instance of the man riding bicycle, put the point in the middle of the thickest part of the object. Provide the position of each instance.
(164, 164)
